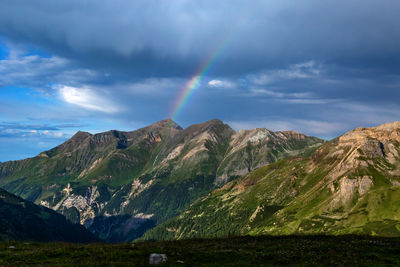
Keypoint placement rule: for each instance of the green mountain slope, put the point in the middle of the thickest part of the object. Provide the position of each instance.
(349, 185)
(23, 220)
(131, 181)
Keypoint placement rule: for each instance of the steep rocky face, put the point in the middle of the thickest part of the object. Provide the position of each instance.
(358, 190)
(349, 185)
(251, 149)
(134, 180)
(362, 146)
(23, 220)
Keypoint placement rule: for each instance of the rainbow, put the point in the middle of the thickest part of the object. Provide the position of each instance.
(195, 82)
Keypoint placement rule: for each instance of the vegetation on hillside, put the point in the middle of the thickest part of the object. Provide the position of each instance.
(349, 185)
(145, 176)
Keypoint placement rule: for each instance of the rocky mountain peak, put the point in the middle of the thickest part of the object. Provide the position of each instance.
(243, 137)
(211, 128)
(168, 123)
(80, 135)
(388, 131)
(390, 126)
(208, 125)
(292, 135)
(214, 121)
(363, 148)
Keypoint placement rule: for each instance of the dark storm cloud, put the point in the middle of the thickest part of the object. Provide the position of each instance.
(171, 38)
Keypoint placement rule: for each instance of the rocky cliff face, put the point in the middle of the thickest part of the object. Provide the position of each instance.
(118, 184)
(251, 149)
(349, 185)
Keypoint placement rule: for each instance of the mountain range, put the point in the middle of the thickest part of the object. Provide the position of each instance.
(119, 184)
(165, 182)
(349, 185)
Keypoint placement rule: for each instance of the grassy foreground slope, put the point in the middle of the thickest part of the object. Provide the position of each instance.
(235, 251)
(349, 185)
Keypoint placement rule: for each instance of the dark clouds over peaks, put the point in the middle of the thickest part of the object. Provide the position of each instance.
(318, 67)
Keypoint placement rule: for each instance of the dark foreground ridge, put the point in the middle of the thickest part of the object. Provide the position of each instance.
(23, 220)
(348, 250)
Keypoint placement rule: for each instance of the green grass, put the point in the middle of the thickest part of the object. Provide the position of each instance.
(349, 250)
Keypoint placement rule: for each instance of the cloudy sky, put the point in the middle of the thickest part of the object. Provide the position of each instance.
(317, 67)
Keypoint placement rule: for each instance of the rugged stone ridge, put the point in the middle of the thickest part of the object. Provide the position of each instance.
(349, 185)
(23, 220)
(251, 149)
(137, 179)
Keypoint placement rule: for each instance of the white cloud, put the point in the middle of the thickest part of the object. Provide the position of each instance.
(308, 101)
(87, 99)
(13, 133)
(37, 72)
(259, 92)
(290, 98)
(341, 116)
(303, 70)
(58, 134)
(153, 86)
(310, 127)
(221, 84)
(366, 114)
(48, 133)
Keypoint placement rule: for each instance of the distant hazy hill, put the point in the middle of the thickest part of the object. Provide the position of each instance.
(23, 220)
(349, 185)
(119, 184)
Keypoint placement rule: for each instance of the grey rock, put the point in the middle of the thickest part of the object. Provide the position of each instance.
(157, 258)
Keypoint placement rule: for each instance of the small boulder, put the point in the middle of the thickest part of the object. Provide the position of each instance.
(157, 258)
